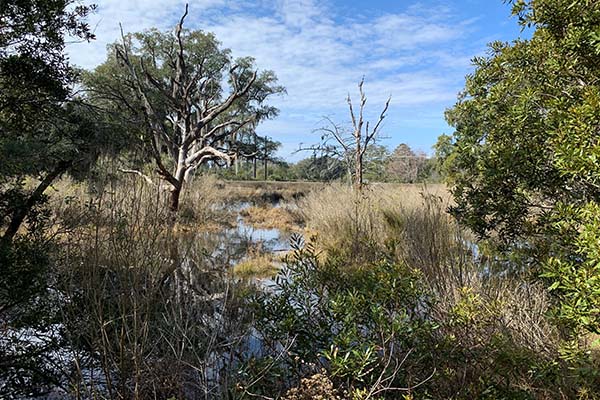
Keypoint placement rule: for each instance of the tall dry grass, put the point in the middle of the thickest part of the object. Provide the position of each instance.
(342, 218)
(150, 308)
(482, 314)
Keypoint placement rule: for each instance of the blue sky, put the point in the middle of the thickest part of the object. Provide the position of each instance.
(416, 51)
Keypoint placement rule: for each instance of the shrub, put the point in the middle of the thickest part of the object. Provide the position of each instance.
(362, 324)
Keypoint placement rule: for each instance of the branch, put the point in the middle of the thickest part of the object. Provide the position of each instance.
(207, 153)
(180, 63)
(373, 133)
(213, 112)
(136, 172)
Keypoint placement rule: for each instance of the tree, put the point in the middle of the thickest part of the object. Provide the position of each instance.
(375, 160)
(319, 168)
(267, 154)
(171, 83)
(44, 133)
(405, 165)
(442, 159)
(351, 145)
(39, 135)
(526, 157)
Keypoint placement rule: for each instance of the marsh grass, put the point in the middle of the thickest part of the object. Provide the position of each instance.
(257, 264)
(284, 217)
(150, 310)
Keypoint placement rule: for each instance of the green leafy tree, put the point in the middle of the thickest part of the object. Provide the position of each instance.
(170, 84)
(43, 134)
(443, 155)
(526, 157)
(39, 135)
(375, 159)
(320, 168)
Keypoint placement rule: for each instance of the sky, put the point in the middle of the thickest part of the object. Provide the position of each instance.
(417, 52)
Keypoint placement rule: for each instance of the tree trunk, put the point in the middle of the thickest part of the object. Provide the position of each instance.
(358, 179)
(266, 168)
(20, 214)
(254, 167)
(174, 198)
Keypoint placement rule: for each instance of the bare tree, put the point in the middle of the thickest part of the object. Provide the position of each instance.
(173, 82)
(353, 143)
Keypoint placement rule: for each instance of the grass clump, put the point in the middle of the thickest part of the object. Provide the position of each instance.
(270, 217)
(256, 265)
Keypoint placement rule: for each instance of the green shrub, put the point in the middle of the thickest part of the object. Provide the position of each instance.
(362, 324)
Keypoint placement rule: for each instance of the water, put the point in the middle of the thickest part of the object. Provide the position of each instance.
(226, 248)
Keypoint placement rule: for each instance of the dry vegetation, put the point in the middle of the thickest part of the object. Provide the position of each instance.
(257, 264)
(134, 274)
(285, 217)
(340, 216)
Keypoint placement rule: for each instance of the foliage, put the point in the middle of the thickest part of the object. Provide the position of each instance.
(42, 135)
(319, 168)
(443, 149)
(359, 323)
(525, 159)
(375, 159)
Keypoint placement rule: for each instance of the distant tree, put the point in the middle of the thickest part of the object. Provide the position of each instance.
(267, 153)
(320, 168)
(404, 165)
(375, 160)
(172, 84)
(442, 159)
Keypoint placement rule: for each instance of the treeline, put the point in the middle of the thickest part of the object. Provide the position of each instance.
(402, 165)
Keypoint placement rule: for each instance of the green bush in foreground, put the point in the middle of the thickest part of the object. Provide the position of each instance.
(362, 324)
(380, 330)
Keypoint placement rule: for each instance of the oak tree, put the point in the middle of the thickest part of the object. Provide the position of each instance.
(171, 86)
(526, 158)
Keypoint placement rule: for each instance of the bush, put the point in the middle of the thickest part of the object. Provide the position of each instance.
(362, 324)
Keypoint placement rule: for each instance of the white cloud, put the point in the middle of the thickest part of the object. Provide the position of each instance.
(318, 56)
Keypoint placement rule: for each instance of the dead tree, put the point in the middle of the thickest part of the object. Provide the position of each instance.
(362, 139)
(184, 110)
(354, 142)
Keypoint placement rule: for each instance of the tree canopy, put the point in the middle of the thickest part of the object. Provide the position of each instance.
(171, 85)
(525, 162)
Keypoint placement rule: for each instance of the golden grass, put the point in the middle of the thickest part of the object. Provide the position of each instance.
(269, 217)
(337, 210)
(256, 265)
